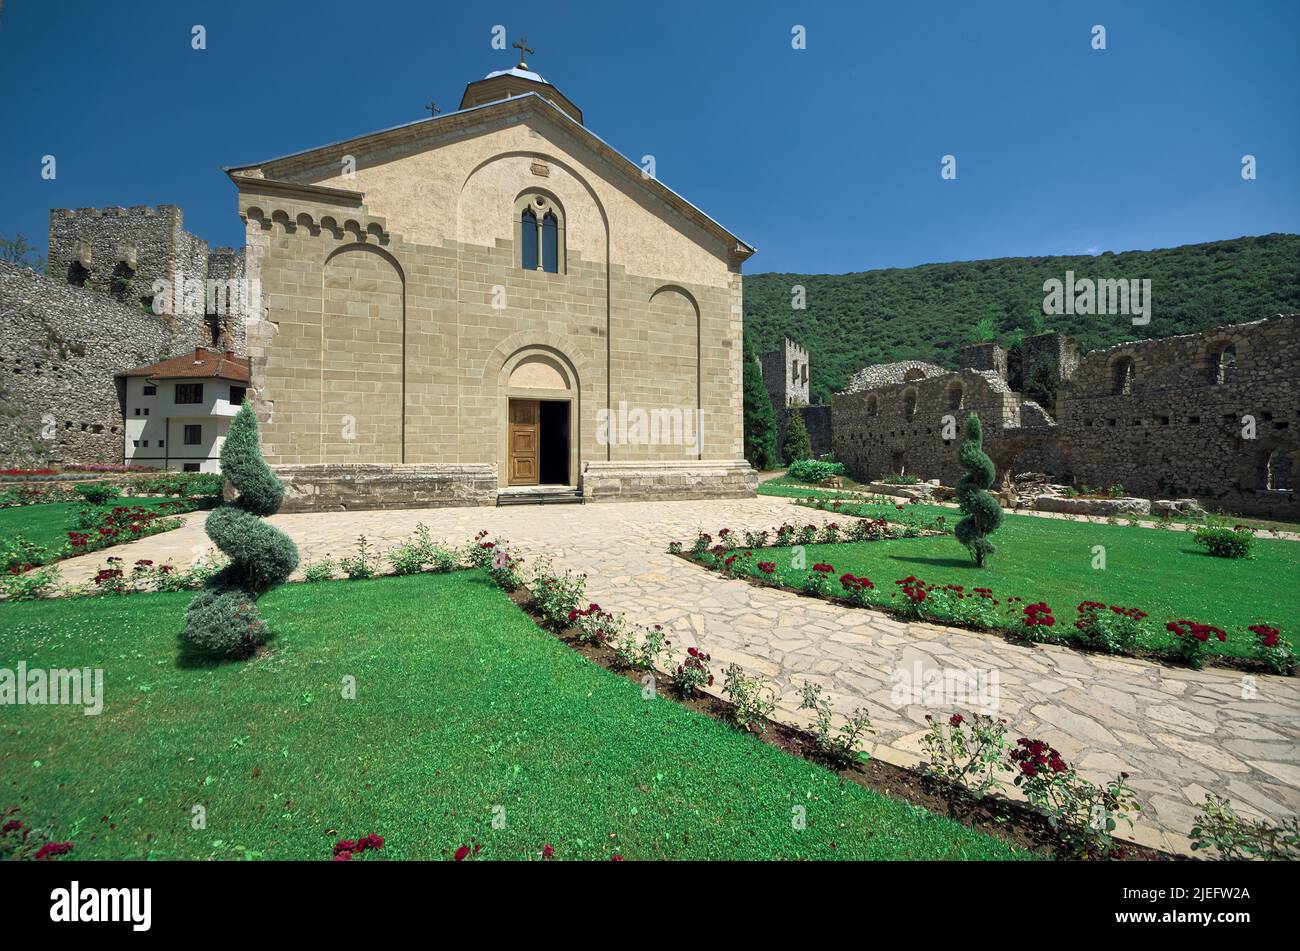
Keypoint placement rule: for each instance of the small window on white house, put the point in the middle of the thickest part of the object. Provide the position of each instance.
(150, 390)
(193, 434)
(189, 392)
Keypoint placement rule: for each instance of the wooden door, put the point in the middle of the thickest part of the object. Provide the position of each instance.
(525, 441)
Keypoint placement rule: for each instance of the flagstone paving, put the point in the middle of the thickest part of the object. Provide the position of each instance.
(1179, 733)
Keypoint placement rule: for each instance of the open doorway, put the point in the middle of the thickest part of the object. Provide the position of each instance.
(554, 467)
(539, 442)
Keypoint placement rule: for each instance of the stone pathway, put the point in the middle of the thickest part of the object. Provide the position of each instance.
(1179, 733)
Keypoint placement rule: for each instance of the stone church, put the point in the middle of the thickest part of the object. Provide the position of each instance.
(490, 303)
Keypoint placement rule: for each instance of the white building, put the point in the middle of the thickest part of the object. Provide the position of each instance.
(178, 411)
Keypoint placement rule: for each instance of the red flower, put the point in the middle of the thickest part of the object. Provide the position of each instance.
(53, 850)
(547, 851)
(955, 720)
(1268, 636)
(462, 853)
(616, 857)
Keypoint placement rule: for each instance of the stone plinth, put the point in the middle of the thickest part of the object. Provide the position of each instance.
(1119, 506)
(339, 488)
(686, 479)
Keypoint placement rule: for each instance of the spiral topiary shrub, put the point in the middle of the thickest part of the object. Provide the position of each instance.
(983, 514)
(223, 617)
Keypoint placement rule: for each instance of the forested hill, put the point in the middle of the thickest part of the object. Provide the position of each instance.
(929, 312)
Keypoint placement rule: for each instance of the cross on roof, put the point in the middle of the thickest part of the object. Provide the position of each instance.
(432, 107)
(524, 49)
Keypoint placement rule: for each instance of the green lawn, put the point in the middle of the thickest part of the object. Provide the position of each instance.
(462, 704)
(48, 524)
(1161, 572)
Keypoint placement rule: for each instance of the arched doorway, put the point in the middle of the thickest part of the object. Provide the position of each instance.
(539, 412)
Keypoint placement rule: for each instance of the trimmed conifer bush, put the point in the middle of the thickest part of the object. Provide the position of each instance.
(760, 421)
(223, 617)
(795, 444)
(983, 514)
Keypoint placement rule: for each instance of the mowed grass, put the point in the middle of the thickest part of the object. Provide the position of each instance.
(464, 710)
(1161, 572)
(48, 524)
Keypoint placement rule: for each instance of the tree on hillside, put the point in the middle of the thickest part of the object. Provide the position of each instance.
(760, 421)
(223, 617)
(983, 514)
(17, 250)
(795, 444)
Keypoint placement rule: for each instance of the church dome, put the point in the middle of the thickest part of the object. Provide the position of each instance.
(519, 72)
(517, 81)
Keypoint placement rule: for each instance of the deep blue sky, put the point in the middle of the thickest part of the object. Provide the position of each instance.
(827, 158)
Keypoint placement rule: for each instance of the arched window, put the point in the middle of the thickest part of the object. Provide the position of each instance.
(550, 243)
(916, 373)
(873, 406)
(956, 394)
(528, 240)
(541, 233)
(1122, 381)
(1277, 471)
(1224, 364)
(909, 402)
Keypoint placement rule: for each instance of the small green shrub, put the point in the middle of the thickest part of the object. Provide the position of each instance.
(1112, 629)
(896, 479)
(98, 493)
(1233, 838)
(19, 554)
(968, 754)
(1083, 814)
(557, 597)
(413, 556)
(1224, 542)
(479, 551)
(753, 699)
(815, 470)
(224, 621)
(363, 564)
(506, 570)
(693, 674)
(641, 653)
(319, 571)
(30, 586)
(841, 748)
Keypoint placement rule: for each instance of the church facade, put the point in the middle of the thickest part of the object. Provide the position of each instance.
(491, 302)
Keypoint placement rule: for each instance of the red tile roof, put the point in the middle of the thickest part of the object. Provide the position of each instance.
(201, 364)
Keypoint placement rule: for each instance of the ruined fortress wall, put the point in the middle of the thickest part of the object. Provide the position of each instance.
(122, 251)
(899, 427)
(1187, 426)
(60, 348)
(1163, 418)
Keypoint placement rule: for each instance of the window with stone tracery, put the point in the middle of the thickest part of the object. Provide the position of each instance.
(540, 231)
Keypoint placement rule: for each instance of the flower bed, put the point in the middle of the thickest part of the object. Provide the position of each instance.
(1108, 628)
(96, 528)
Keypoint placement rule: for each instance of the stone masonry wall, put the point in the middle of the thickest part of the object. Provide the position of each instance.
(785, 374)
(1162, 418)
(60, 348)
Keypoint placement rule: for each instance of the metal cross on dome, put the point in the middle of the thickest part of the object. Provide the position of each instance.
(524, 49)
